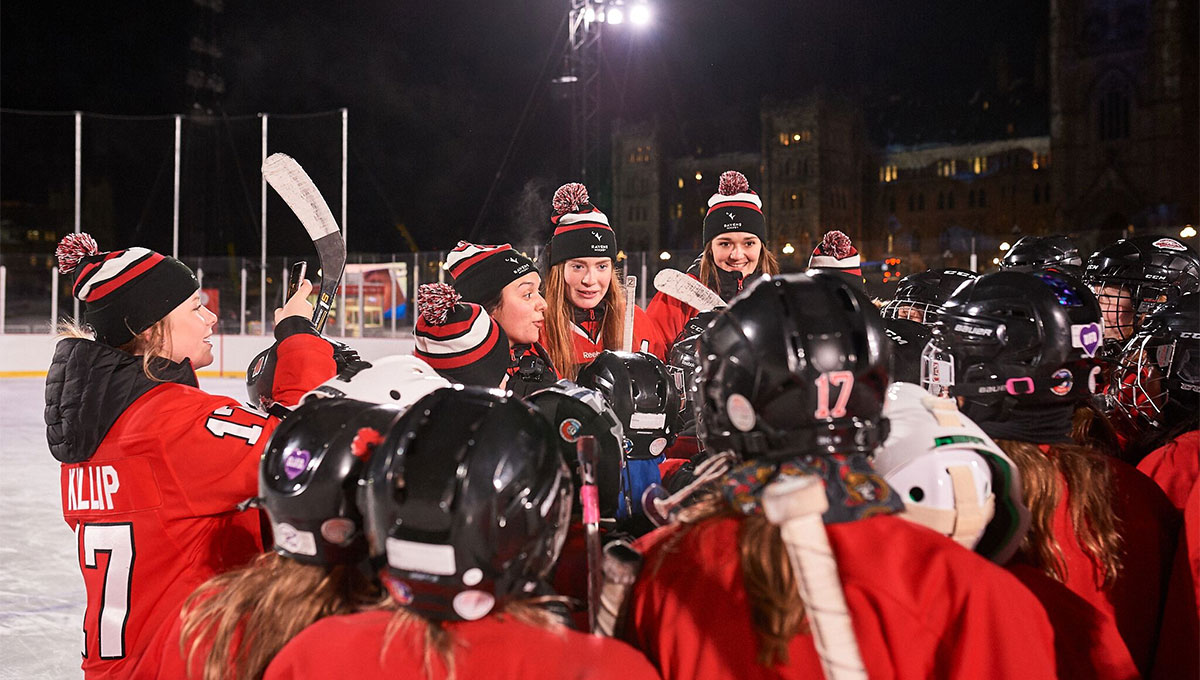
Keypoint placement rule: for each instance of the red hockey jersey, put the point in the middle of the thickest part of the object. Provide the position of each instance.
(588, 343)
(1175, 466)
(495, 647)
(1177, 655)
(922, 607)
(153, 509)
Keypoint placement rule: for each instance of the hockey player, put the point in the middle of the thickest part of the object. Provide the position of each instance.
(153, 467)
(919, 297)
(306, 484)
(505, 283)
(734, 250)
(586, 309)
(1017, 350)
(1133, 277)
(792, 377)
(466, 506)
(459, 339)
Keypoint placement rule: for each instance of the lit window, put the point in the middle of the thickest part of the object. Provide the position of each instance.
(680, 182)
(784, 139)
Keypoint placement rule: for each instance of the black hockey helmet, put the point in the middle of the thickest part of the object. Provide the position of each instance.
(1141, 273)
(642, 393)
(908, 340)
(467, 503)
(1015, 337)
(797, 364)
(308, 478)
(1031, 253)
(681, 365)
(1158, 375)
(260, 374)
(920, 296)
(575, 412)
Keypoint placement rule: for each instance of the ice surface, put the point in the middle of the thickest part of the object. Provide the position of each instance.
(41, 590)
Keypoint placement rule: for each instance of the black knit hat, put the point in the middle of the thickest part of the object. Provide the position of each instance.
(459, 340)
(124, 291)
(580, 229)
(734, 208)
(481, 272)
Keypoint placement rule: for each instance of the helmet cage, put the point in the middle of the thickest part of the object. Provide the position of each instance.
(929, 312)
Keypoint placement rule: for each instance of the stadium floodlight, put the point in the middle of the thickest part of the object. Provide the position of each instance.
(639, 14)
(616, 16)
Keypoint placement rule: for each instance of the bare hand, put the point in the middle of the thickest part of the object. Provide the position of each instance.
(298, 305)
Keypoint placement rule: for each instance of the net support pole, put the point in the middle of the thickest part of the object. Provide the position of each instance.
(262, 260)
(78, 190)
(175, 199)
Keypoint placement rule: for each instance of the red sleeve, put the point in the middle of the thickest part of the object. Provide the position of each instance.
(1176, 655)
(304, 361)
(669, 316)
(1086, 641)
(1175, 467)
(644, 329)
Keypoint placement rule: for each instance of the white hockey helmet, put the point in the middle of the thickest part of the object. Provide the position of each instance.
(953, 478)
(399, 379)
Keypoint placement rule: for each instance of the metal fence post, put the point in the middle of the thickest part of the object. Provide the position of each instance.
(242, 310)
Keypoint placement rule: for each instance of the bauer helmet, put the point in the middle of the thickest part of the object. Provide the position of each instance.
(796, 364)
(952, 477)
(1135, 276)
(467, 503)
(919, 297)
(1013, 337)
(575, 412)
(643, 395)
(398, 379)
(308, 477)
(1157, 377)
(1031, 253)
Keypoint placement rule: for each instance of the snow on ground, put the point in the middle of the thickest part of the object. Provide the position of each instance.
(41, 590)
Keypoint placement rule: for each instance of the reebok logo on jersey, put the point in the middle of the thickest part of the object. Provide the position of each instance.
(91, 487)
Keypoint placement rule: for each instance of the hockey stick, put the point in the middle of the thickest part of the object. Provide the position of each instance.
(795, 505)
(622, 563)
(630, 292)
(589, 500)
(296, 188)
(676, 284)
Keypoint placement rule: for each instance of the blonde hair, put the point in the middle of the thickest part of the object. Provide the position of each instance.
(559, 344)
(150, 344)
(260, 607)
(439, 643)
(1089, 489)
(767, 264)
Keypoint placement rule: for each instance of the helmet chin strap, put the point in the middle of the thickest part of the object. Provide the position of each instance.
(966, 522)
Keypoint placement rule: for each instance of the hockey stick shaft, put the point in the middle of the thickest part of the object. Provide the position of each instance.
(630, 306)
(796, 505)
(589, 498)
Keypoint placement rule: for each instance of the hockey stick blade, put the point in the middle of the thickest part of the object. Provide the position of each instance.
(297, 189)
(676, 284)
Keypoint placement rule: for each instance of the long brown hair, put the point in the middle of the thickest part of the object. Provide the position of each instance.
(1089, 490)
(261, 606)
(439, 643)
(559, 318)
(150, 344)
(767, 264)
(776, 610)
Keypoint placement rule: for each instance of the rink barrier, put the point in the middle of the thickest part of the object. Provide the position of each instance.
(28, 356)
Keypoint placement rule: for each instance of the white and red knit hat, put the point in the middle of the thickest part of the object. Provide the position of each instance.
(836, 252)
(734, 208)
(459, 340)
(124, 291)
(580, 229)
(481, 272)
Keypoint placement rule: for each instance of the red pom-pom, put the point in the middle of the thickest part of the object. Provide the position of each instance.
(836, 244)
(72, 249)
(732, 182)
(569, 197)
(366, 439)
(435, 301)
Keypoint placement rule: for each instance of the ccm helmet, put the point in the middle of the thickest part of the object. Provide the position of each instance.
(919, 297)
(952, 477)
(1013, 337)
(1135, 276)
(467, 503)
(796, 364)
(575, 412)
(1158, 375)
(908, 340)
(1032, 253)
(399, 379)
(308, 477)
(643, 395)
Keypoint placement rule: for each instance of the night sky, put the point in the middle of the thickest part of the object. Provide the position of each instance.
(436, 92)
